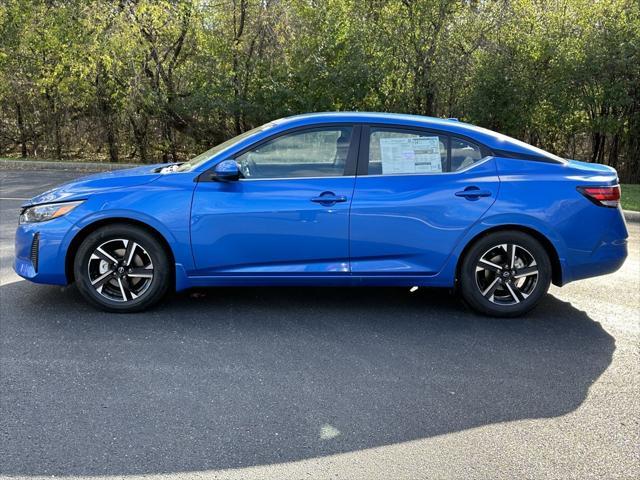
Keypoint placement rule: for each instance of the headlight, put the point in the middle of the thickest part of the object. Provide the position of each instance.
(48, 211)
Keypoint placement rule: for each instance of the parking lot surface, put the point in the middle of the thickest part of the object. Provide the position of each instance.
(316, 382)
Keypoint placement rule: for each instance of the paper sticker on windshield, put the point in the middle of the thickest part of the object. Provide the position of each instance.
(410, 155)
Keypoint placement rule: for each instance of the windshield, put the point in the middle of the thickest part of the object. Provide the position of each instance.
(205, 156)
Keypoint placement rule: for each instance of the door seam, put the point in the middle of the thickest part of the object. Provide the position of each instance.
(353, 192)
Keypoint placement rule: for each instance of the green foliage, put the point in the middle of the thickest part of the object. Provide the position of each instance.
(163, 79)
(630, 197)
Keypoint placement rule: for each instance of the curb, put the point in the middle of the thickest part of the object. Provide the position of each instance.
(631, 217)
(85, 167)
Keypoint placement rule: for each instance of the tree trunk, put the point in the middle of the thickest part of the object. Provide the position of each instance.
(613, 151)
(632, 157)
(56, 135)
(106, 112)
(429, 101)
(21, 130)
(170, 152)
(140, 137)
(111, 141)
(596, 145)
(239, 18)
(55, 119)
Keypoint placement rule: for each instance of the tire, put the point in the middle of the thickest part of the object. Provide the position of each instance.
(122, 268)
(505, 274)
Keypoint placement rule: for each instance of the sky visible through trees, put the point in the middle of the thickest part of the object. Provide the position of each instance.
(152, 81)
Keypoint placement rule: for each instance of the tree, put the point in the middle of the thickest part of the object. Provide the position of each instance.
(164, 79)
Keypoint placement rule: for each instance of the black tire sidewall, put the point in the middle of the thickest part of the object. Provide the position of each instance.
(472, 294)
(161, 271)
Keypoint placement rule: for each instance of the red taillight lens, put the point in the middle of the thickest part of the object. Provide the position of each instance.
(604, 196)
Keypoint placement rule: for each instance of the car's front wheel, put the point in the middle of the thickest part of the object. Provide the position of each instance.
(505, 274)
(122, 268)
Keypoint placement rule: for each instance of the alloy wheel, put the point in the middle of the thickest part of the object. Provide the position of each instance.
(506, 274)
(120, 270)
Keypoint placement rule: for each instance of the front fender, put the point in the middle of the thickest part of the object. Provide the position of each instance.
(181, 252)
(164, 205)
(122, 214)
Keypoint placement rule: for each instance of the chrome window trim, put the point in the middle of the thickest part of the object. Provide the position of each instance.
(466, 169)
(293, 178)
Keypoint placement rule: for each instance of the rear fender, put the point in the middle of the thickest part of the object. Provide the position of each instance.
(504, 222)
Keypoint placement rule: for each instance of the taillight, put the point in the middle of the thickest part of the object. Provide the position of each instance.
(603, 196)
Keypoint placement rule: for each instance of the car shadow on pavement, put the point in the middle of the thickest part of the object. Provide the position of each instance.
(237, 377)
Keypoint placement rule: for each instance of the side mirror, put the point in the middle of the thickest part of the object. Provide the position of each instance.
(226, 171)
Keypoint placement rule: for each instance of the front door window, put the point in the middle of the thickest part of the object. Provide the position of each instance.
(320, 152)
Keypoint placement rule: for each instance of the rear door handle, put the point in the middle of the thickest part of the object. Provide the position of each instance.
(329, 198)
(473, 193)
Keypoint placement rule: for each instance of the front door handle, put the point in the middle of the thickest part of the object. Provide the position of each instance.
(473, 193)
(329, 198)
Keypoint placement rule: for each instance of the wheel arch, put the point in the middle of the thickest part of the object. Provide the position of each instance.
(554, 257)
(93, 226)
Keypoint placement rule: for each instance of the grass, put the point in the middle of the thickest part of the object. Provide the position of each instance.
(631, 197)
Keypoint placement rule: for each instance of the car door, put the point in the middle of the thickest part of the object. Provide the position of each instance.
(416, 193)
(289, 214)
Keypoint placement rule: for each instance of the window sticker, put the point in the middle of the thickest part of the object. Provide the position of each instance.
(410, 155)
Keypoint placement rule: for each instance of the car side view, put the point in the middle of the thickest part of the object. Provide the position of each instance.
(333, 199)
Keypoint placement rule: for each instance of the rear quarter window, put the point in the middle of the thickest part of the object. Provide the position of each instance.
(464, 154)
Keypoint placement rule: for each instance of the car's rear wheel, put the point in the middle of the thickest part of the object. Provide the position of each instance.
(122, 268)
(505, 274)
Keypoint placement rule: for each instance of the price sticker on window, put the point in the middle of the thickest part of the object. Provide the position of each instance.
(410, 155)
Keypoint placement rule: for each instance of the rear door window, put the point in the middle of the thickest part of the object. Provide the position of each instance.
(399, 151)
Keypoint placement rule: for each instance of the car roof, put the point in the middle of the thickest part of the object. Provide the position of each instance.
(493, 140)
(374, 117)
(365, 117)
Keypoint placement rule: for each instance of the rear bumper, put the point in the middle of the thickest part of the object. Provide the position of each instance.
(50, 265)
(607, 258)
(608, 254)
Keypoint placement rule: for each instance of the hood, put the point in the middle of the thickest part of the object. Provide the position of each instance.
(99, 182)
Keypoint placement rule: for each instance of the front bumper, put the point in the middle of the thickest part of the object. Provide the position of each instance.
(43, 262)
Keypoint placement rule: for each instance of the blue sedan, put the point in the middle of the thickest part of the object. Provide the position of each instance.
(335, 199)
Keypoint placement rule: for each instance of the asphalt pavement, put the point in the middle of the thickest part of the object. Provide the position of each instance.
(315, 382)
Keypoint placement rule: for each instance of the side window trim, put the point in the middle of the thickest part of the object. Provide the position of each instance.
(351, 164)
(449, 162)
(363, 154)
